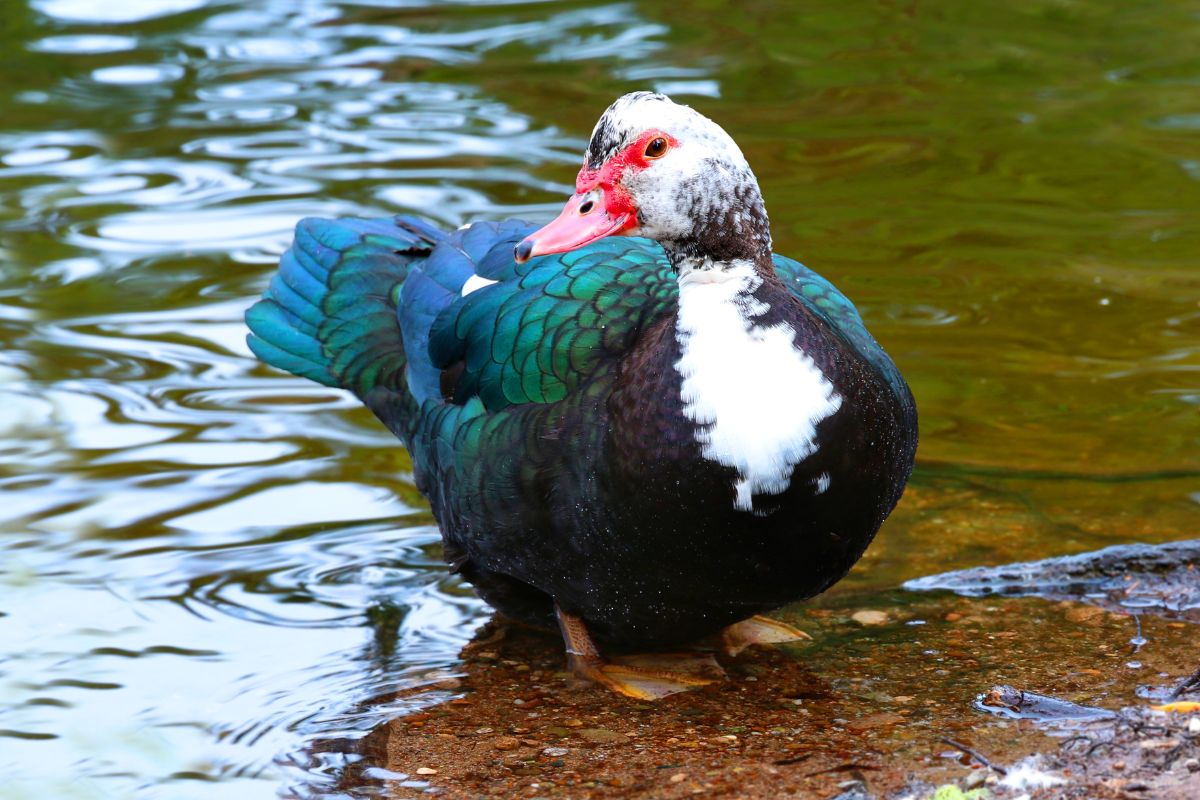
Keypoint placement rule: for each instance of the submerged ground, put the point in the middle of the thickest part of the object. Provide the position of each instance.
(217, 581)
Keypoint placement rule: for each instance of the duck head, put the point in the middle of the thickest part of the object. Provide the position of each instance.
(658, 169)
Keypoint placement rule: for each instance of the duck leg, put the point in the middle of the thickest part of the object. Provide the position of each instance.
(758, 630)
(642, 677)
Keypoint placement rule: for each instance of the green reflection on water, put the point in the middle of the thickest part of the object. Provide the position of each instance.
(1010, 194)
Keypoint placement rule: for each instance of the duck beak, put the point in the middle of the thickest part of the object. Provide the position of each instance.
(583, 220)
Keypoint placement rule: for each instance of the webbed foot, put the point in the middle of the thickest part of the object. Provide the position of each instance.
(643, 677)
(758, 630)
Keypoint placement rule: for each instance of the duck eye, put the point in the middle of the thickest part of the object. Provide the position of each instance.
(657, 148)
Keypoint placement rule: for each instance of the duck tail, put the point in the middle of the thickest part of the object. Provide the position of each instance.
(329, 313)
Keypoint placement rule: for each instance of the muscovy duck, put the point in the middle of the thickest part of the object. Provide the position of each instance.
(636, 421)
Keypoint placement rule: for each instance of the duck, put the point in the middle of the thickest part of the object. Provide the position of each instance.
(635, 424)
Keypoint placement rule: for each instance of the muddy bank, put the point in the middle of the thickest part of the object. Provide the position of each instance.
(863, 711)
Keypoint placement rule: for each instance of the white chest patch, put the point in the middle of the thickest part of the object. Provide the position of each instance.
(755, 398)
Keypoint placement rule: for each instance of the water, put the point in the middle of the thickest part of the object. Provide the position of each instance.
(210, 569)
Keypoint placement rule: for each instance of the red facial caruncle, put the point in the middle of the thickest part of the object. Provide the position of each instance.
(601, 206)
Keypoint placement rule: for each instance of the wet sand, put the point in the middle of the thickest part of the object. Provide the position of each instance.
(867, 706)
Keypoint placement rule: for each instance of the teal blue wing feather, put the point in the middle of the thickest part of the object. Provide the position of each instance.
(551, 323)
(823, 299)
(329, 313)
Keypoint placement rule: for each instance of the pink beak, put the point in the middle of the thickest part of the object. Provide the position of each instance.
(583, 220)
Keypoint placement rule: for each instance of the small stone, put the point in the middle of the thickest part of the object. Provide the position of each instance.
(678, 777)
(883, 719)
(1118, 765)
(1194, 725)
(506, 743)
(1156, 744)
(602, 736)
(426, 771)
(555, 752)
(1192, 765)
(953, 616)
(1085, 615)
(975, 779)
(574, 723)
(869, 618)
(903, 698)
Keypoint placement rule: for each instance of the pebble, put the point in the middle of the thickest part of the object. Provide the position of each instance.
(870, 617)
(602, 736)
(678, 777)
(555, 752)
(505, 743)
(871, 721)
(427, 771)
(1194, 725)
(1085, 615)
(975, 779)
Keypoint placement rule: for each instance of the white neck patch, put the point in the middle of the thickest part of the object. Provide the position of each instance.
(755, 398)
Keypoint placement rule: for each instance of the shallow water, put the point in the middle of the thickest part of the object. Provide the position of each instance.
(207, 566)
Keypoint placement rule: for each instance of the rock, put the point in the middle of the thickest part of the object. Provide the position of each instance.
(555, 752)
(506, 743)
(1158, 579)
(602, 736)
(869, 618)
(1008, 701)
(1085, 615)
(678, 777)
(1194, 725)
(427, 771)
(883, 719)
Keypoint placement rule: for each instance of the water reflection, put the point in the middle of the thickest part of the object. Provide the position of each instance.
(208, 569)
(194, 586)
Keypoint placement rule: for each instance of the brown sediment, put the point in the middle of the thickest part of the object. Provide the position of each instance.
(867, 703)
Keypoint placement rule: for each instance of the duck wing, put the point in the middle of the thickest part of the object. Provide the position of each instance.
(824, 300)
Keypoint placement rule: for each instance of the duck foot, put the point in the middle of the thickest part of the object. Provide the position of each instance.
(643, 677)
(758, 630)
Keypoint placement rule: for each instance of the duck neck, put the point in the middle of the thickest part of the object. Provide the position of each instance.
(728, 235)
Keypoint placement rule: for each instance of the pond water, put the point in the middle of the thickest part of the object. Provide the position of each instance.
(208, 569)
